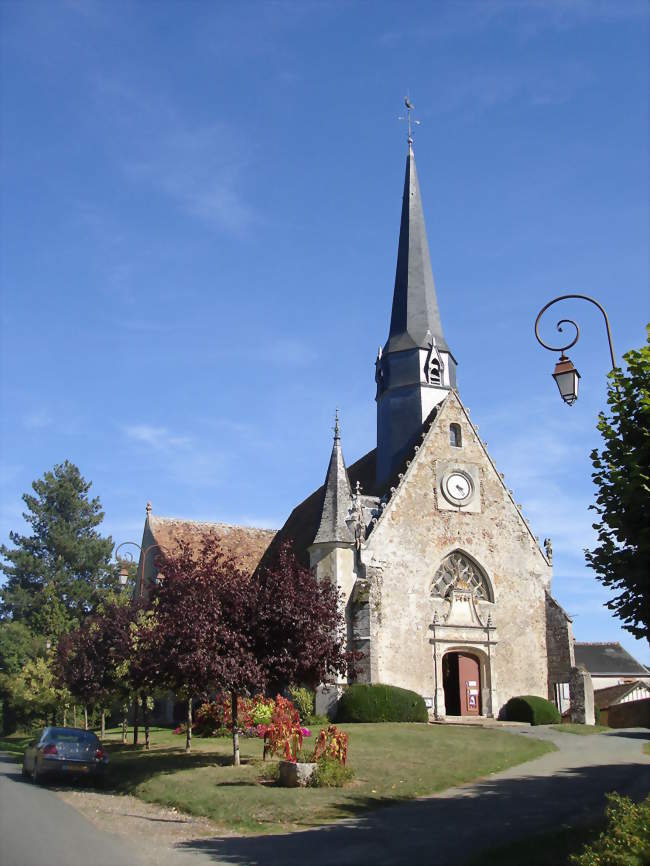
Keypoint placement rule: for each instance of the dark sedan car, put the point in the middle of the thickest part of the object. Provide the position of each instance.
(64, 752)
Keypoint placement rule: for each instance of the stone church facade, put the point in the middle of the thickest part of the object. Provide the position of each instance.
(446, 588)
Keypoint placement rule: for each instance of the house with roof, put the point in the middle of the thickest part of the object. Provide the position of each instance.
(623, 693)
(446, 588)
(610, 665)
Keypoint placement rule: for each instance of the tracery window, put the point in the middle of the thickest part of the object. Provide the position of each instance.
(457, 571)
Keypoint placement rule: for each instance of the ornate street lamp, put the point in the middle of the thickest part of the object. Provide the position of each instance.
(565, 374)
(124, 573)
(566, 377)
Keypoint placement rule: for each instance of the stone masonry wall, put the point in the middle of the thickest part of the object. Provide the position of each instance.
(413, 537)
(559, 642)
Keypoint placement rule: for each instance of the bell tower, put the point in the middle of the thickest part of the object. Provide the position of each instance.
(415, 370)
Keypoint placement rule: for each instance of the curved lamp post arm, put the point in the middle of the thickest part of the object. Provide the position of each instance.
(571, 322)
(143, 553)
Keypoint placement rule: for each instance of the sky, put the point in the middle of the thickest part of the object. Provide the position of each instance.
(199, 220)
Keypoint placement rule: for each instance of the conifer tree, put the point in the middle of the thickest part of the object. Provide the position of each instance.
(59, 573)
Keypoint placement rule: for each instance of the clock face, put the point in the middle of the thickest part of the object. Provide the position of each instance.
(457, 487)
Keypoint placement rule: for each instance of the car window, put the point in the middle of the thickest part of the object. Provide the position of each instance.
(65, 735)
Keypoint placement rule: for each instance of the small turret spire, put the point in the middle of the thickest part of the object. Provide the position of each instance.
(337, 496)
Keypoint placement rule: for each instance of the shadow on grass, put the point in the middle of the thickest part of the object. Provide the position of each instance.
(446, 830)
(127, 769)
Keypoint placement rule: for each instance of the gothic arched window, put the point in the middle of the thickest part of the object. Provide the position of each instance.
(457, 571)
(455, 436)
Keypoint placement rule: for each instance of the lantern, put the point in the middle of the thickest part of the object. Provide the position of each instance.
(566, 377)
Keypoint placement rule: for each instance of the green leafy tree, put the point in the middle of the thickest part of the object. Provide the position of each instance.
(59, 573)
(18, 646)
(621, 558)
(34, 693)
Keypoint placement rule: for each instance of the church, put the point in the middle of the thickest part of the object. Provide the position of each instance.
(446, 588)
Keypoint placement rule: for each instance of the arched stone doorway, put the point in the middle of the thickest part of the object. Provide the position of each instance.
(461, 680)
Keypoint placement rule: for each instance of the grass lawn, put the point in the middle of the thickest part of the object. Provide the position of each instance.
(581, 730)
(391, 762)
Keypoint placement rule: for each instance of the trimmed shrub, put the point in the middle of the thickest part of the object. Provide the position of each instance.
(377, 703)
(533, 709)
(597, 715)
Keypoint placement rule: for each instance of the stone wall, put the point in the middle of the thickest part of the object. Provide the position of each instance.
(412, 538)
(582, 696)
(559, 643)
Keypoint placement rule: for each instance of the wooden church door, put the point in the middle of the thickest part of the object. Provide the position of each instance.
(470, 685)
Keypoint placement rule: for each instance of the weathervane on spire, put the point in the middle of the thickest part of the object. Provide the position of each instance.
(409, 108)
(337, 434)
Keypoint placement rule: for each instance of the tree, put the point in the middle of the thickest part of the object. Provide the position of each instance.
(621, 559)
(220, 628)
(35, 692)
(57, 575)
(93, 660)
(18, 646)
(186, 642)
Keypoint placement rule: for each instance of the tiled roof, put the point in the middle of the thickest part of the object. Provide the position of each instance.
(604, 698)
(246, 544)
(608, 659)
(303, 522)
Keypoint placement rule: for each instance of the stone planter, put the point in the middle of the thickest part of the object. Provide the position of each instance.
(295, 775)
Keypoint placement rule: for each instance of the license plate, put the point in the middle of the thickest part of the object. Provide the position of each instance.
(76, 768)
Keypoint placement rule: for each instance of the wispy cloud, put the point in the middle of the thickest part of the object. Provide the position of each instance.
(158, 438)
(200, 169)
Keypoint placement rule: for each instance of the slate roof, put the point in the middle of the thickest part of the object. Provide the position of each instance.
(336, 499)
(303, 522)
(604, 698)
(608, 659)
(415, 305)
(246, 544)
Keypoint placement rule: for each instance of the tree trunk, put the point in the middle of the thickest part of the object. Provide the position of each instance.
(103, 731)
(145, 717)
(188, 737)
(65, 717)
(235, 732)
(135, 722)
(85, 718)
(125, 723)
(74, 715)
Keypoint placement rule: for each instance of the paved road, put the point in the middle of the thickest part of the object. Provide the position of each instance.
(444, 830)
(38, 829)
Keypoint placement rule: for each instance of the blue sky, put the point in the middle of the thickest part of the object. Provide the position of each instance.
(200, 212)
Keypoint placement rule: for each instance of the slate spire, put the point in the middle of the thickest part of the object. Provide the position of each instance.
(415, 306)
(337, 497)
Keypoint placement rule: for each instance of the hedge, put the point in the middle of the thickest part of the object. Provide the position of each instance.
(533, 709)
(377, 703)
